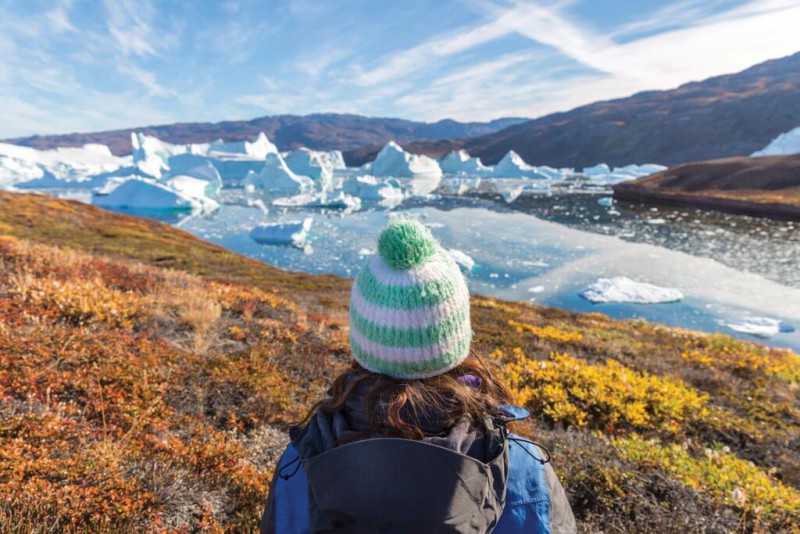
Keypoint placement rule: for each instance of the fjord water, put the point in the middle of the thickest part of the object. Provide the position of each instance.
(547, 248)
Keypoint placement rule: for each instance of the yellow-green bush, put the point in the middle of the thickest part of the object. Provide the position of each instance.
(716, 472)
(572, 391)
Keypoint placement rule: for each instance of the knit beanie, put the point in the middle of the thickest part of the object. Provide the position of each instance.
(409, 307)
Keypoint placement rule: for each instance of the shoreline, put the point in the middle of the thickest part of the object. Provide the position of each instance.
(630, 192)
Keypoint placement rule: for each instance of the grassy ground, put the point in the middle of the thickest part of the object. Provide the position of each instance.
(147, 379)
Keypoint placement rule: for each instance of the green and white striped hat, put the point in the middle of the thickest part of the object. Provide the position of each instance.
(409, 307)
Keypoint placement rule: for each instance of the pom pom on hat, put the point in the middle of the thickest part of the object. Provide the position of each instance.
(406, 243)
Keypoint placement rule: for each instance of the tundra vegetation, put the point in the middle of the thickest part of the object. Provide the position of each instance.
(147, 380)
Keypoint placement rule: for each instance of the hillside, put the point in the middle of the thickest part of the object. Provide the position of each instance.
(325, 131)
(147, 379)
(731, 115)
(767, 186)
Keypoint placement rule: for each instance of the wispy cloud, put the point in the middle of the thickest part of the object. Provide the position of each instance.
(130, 23)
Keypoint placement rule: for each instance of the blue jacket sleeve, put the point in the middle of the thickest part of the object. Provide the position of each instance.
(287, 503)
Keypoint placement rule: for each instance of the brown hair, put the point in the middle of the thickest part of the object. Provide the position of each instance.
(406, 402)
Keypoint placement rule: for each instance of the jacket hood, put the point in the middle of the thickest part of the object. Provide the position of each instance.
(452, 481)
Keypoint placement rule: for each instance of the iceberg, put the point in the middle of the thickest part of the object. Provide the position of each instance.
(603, 174)
(229, 168)
(147, 194)
(513, 166)
(206, 172)
(19, 164)
(460, 162)
(342, 201)
(785, 143)
(623, 289)
(199, 191)
(318, 166)
(292, 233)
(151, 154)
(276, 177)
(763, 327)
(258, 149)
(388, 194)
(393, 161)
(462, 259)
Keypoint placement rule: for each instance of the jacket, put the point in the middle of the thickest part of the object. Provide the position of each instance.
(466, 480)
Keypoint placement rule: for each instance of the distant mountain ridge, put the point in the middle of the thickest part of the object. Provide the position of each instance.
(321, 131)
(724, 116)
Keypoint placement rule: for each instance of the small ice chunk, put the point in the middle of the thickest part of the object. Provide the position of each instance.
(536, 289)
(606, 201)
(462, 259)
(292, 233)
(623, 289)
(763, 327)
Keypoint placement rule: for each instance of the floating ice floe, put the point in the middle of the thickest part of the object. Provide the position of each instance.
(277, 178)
(292, 233)
(603, 174)
(341, 201)
(393, 161)
(606, 201)
(462, 259)
(460, 162)
(368, 188)
(785, 143)
(625, 290)
(764, 327)
(19, 164)
(179, 194)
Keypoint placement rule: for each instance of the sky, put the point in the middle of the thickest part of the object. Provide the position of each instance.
(90, 65)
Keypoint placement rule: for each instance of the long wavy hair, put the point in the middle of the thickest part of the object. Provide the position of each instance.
(468, 390)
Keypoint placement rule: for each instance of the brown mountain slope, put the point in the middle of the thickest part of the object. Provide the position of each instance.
(322, 131)
(756, 186)
(731, 115)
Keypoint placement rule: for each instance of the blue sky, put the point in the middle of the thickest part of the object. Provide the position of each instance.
(87, 65)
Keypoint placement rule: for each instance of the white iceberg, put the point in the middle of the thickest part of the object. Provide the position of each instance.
(151, 154)
(393, 161)
(460, 162)
(147, 194)
(277, 178)
(601, 169)
(605, 175)
(292, 233)
(763, 327)
(258, 149)
(318, 166)
(19, 164)
(341, 201)
(388, 194)
(785, 143)
(462, 259)
(207, 173)
(625, 290)
(513, 166)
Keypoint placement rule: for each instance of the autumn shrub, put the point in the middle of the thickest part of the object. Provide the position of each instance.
(570, 391)
(547, 332)
(722, 352)
(717, 472)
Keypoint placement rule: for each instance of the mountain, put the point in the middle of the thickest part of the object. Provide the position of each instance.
(731, 115)
(765, 186)
(322, 131)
